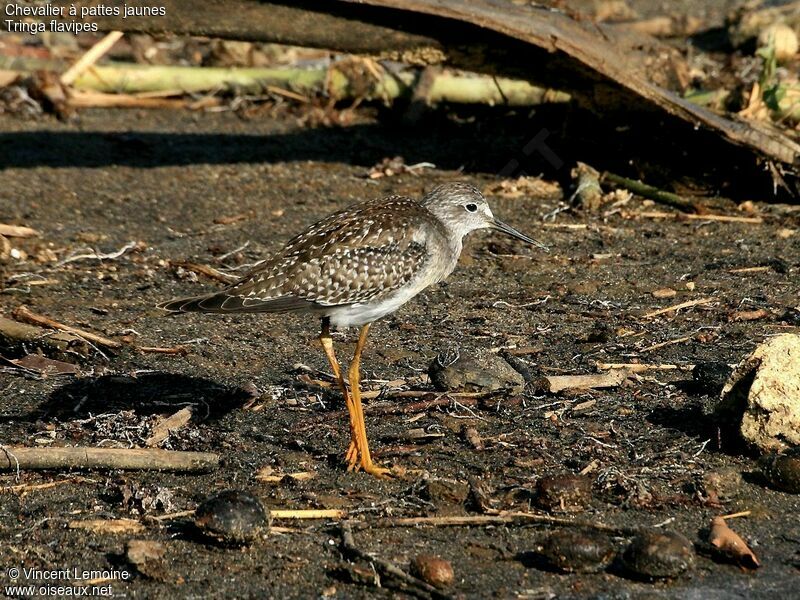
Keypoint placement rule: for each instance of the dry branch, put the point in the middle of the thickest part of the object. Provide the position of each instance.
(206, 270)
(108, 525)
(675, 307)
(17, 231)
(641, 367)
(648, 191)
(310, 513)
(403, 581)
(691, 217)
(165, 427)
(137, 459)
(13, 333)
(23, 313)
(90, 57)
(559, 383)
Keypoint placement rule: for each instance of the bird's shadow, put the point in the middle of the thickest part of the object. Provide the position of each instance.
(145, 394)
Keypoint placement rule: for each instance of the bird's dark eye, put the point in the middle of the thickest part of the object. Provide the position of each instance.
(471, 207)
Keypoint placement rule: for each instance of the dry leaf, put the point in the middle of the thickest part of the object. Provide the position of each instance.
(729, 544)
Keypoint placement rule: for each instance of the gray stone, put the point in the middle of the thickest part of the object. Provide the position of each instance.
(484, 372)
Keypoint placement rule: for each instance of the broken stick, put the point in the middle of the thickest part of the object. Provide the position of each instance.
(17, 231)
(675, 307)
(13, 458)
(14, 333)
(23, 313)
(559, 383)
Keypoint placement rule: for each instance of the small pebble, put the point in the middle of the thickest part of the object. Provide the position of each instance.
(148, 557)
(566, 492)
(232, 517)
(723, 485)
(575, 551)
(433, 570)
(658, 554)
(664, 293)
(783, 471)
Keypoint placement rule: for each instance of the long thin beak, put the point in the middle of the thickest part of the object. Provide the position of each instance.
(509, 230)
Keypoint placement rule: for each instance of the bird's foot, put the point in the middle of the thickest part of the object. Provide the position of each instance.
(351, 457)
(376, 471)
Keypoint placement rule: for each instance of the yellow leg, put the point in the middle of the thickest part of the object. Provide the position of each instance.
(359, 424)
(327, 345)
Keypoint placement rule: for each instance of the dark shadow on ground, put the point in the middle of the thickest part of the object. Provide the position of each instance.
(545, 141)
(146, 394)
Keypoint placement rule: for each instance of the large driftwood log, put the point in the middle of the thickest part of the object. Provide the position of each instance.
(482, 35)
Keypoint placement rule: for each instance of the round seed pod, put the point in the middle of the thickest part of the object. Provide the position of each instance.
(232, 517)
(658, 554)
(577, 551)
(433, 570)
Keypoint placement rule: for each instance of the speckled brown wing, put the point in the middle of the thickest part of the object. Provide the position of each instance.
(358, 255)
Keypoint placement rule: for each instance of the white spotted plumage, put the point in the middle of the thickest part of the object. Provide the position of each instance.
(360, 264)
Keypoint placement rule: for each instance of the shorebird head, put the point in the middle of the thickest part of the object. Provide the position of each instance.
(462, 209)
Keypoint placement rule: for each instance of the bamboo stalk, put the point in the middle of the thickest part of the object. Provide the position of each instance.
(448, 86)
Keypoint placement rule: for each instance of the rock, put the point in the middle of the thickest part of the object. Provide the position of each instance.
(232, 517)
(576, 551)
(710, 377)
(565, 492)
(662, 293)
(784, 39)
(658, 554)
(433, 570)
(448, 495)
(474, 373)
(148, 558)
(764, 390)
(722, 485)
(783, 471)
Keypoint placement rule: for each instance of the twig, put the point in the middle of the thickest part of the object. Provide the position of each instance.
(690, 217)
(407, 583)
(23, 313)
(687, 304)
(33, 487)
(15, 333)
(517, 518)
(667, 343)
(750, 270)
(90, 57)
(641, 367)
(97, 255)
(175, 515)
(648, 191)
(558, 383)
(17, 231)
(181, 350)
(206, 270)
(79, 99)
(162, 430)
(311, 513)
(107, 458)
(108, 525)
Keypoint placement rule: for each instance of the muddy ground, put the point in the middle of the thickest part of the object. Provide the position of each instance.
(163, 178)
